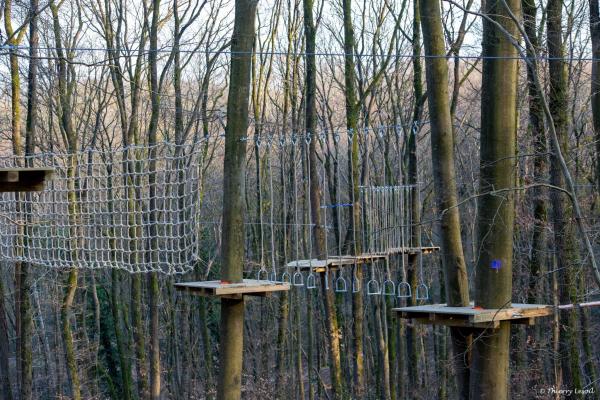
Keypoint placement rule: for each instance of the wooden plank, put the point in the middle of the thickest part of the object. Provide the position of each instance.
(460, 323)
(413, 250)
(250, 287)
(476, 317)
(24, 179)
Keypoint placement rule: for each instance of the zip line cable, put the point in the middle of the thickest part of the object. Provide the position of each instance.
(298, 54)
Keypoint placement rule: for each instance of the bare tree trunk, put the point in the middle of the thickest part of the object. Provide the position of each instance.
(595, 80)
(411, 178)
(489, 369)
(154, 288)
(442, 148)
(25, 326)
(232, 311)
(5, 386)
(352, 112)
(564, 233)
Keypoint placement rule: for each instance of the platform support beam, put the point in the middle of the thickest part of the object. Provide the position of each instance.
(232, 311)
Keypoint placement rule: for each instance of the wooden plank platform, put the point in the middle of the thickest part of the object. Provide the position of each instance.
(471, 317)
(413, 250)
(24, 179)
(249, 287)
(334, 262)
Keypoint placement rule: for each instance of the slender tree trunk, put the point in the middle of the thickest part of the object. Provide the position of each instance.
(564, 228)
(68, 335)
(352, 112)
(595, 80)
(25, 357)
(411, 178)
(153, 284)
(15, 84)
(5, 378)
(232, 311)
(489, 370)
(442, 148)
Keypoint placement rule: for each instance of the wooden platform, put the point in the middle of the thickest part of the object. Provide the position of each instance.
(334, 262)
(250, 287)
(24, 179)
(413, 250)
(470, 317)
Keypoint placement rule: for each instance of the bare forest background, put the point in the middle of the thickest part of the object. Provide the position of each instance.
(78, 75)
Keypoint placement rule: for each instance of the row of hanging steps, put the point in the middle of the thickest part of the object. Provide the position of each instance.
(249, 287)
(24, 179)
(412, 250)
(474, 317)
(335, 262)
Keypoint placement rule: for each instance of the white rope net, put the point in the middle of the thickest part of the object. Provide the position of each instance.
(100, 210)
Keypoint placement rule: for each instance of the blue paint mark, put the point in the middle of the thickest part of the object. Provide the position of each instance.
(496, 264)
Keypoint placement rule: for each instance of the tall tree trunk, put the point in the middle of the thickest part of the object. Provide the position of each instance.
(411, 178)
(595, 80)
(316, 193)
(232, 252)
(154, 287)
(15, 84)
(5, 386)
(25, 357)
(442, 149)
(538, 259)
(564, 233)
(489, 369)
(352, 112)
(68, 335)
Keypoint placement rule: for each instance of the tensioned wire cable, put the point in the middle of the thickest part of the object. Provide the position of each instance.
(299, 54)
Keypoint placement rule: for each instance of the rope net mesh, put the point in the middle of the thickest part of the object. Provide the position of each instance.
(158, 209)
(96, 211)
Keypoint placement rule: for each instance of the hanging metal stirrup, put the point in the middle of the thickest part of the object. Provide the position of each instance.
(273, 276)
(341, 285)
(422, 292)
(311, 281)
(373, 287)
(298, 279)
(262, 273)
(389, 288)
(404, 291)
(286, 277)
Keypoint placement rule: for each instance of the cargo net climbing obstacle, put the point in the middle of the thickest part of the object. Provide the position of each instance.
(104, 209)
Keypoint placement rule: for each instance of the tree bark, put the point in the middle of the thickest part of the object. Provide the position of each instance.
(352, 112)
(25, 326)
(232, 253)
(493, 282)
(442, 150)
(564, 233)
(595, 80)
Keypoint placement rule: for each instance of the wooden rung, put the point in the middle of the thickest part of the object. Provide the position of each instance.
(471, 317)
(24, 179)
(249, 287)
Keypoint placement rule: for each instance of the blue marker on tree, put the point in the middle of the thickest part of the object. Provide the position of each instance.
(496, 264)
